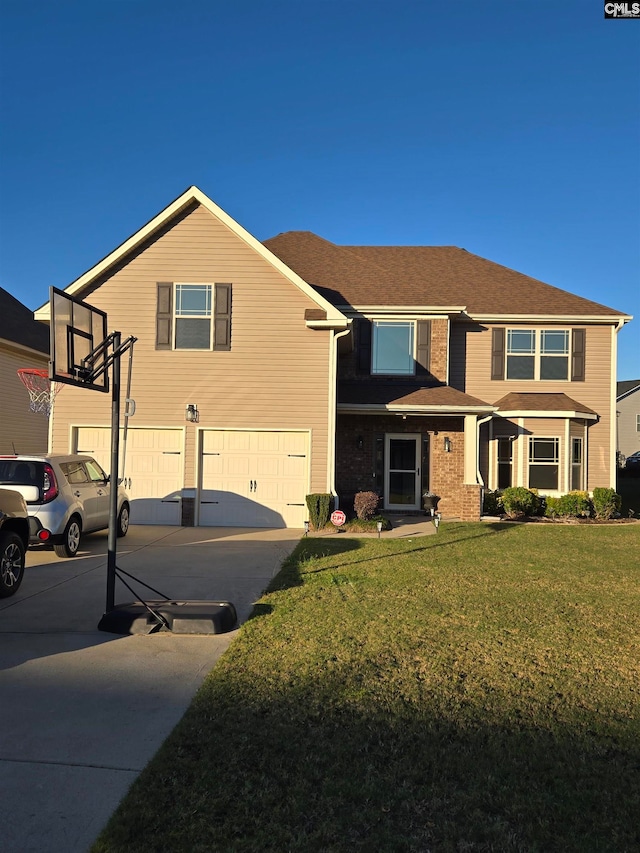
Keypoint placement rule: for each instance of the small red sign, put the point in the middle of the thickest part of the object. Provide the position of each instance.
(338, 518)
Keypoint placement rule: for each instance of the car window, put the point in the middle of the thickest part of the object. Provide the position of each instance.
(20, 472)
(75, 473)
(96, 474)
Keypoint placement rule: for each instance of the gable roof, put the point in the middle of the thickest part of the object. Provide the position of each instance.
(426, 276)
(18, 326)
(189, 197)
(626, 387)
(399, 396)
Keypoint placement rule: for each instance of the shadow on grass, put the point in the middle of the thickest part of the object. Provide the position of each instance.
(309, 768)
(308, 551)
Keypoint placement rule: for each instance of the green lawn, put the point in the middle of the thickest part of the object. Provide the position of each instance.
(474, 690)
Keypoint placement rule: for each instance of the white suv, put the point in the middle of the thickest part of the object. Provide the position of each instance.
(66, 496)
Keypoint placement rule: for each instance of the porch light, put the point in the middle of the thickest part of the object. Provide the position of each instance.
(192, 414)
(447, 444)
(360, 442)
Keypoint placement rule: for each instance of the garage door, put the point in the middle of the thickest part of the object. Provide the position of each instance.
(253, 479)
(153, 469)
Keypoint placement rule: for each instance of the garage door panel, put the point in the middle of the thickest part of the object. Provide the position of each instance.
(271, 490)
(153, 463)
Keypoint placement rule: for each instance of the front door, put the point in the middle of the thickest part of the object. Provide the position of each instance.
(402, 477)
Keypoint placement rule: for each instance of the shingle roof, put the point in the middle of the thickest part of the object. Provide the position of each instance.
(17, 324)
(532, 402)
(422, 275)
(626, 386)
(409, 396)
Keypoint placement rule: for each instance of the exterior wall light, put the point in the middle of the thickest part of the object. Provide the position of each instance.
(360, 442)
(192, 414)
(447, 444)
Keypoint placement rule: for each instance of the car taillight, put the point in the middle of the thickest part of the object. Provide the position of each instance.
(43, 535)
(50, 487)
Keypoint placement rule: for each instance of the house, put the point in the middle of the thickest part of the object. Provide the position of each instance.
(315, 367)
(23, 343)
(628, 416)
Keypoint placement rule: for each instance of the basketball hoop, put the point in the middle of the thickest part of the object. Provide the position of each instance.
(41, 390)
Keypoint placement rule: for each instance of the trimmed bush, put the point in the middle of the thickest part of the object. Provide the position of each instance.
(518, 501)
(319, 506)
(365, 505)
(492, 502)
(606, 502)
(572, 505)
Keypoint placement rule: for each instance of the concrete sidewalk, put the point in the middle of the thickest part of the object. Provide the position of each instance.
(84, 711)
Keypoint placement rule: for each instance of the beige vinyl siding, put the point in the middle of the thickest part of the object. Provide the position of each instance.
(628, 412)
(21, 430)
(474, 343)
(274, 376)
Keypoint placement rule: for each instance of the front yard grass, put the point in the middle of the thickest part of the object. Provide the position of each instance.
(474, 690)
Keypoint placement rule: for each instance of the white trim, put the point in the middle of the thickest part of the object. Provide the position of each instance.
(332, 411)
(435, 312)
(573, 319)
(190, 195)
(453, 411)
(613, 438)
(538, 413)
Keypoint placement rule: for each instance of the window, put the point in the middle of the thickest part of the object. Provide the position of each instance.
(576, 464)
(540, 354)
(393, 348)
(96, 474)
(193, 316)
(543, 463)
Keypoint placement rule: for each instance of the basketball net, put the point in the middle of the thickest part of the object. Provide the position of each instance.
(42, 390)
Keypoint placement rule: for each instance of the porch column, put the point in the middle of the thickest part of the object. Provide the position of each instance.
(471, 461)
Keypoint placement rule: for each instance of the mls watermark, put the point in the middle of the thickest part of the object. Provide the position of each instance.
(622, 10)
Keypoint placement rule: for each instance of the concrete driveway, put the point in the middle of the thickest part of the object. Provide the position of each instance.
(83, 710)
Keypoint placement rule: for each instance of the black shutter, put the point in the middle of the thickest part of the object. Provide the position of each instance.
(497, 354)
(423, 347)
(364, 346)
(578, 355)
(164, 315)
(222, 317)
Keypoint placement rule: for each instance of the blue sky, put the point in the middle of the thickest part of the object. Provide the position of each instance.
(511, 129)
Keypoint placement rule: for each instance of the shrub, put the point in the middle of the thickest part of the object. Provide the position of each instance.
(492, 502)
(365, 505)
(319, 507)
(606, 502)
(518, 501)
(572, 505)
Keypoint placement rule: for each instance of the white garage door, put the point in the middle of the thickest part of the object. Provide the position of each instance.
(153, 469)
(254, 479)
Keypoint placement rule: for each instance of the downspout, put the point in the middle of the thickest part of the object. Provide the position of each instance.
(613, 441)
(333, 413)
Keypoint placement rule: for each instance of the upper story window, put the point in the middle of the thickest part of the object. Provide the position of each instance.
(393, 348)
(539, 354)
(535, 354)
(193, 316)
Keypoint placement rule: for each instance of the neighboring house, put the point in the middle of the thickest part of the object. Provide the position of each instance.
(324, 368)
(628, 414)
(23, 343)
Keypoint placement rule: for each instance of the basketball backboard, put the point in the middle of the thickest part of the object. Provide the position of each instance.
(79, 343)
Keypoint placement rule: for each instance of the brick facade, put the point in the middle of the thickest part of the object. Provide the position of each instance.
(359, 469)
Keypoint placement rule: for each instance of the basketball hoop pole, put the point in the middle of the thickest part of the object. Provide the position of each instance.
(113, 490)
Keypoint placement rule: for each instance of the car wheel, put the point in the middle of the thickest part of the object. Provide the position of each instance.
(123, 520)
(71, 539)
(11, 563)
